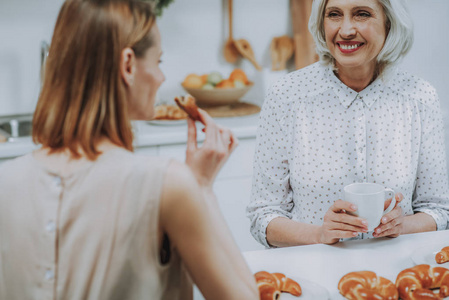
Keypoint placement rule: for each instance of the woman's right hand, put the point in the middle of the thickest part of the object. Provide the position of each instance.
(207, 160)
(337, 223)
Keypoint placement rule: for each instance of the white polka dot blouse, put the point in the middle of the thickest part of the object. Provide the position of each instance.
(316, 135)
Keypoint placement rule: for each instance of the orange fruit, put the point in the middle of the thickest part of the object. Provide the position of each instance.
(238, 74)
(204, 78)
(226, 83)
(193, 81)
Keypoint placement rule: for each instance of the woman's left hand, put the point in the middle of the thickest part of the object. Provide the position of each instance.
(391, 224)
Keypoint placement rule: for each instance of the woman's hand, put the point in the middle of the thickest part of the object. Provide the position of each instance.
(391, 224)
(207, 160)
(339, 224)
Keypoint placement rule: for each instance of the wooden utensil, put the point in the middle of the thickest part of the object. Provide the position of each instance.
(230, 52)
(247, 52)
(281, 49)
(303, 41)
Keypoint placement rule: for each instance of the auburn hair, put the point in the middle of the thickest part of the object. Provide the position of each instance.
(83, 96)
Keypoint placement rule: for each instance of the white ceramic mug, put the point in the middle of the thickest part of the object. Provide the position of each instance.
(370, 199)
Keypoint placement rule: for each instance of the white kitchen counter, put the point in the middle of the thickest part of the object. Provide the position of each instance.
(148, 135)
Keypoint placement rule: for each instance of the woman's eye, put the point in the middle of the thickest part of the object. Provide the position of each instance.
(363, 14)
(333, 14)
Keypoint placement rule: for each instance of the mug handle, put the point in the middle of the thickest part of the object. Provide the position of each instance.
(393, 200)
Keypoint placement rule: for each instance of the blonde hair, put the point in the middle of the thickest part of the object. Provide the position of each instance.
(83, 96)
(399, 25)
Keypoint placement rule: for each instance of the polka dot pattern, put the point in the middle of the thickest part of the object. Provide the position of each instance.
(316, 135)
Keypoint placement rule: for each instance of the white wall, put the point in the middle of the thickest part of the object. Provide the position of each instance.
(193, 34)
(429, 57)
(23, 25)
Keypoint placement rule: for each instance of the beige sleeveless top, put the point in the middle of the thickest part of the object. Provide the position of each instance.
(91, 234)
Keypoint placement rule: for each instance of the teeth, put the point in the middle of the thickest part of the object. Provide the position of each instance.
(349, 47)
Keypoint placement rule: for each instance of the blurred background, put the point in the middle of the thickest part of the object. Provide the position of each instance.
(193, 36)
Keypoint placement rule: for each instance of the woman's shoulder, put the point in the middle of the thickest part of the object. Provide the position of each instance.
(180, 183)
(303, 82)
(413, 87)
(15, 165)
(127, 163)
(171, 169)
(180, 173)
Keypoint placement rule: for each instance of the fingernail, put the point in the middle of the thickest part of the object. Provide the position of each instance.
(384, 220)
(378, 230)
(354, 233)
(353, 207)
(364, 222)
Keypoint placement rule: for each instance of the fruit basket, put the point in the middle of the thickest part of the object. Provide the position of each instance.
(213, 90)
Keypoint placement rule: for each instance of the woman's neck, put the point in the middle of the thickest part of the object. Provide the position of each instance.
(356, 78)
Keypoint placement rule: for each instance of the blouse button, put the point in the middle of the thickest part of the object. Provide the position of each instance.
(51, 226)
(57, 180)
(49, 275)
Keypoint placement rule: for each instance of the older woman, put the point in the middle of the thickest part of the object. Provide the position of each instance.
(83, 217)
(352, 117)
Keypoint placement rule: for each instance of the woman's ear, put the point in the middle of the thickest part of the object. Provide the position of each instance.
(128, 66)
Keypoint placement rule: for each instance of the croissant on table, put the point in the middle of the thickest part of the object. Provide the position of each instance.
(442, 256)
(271, 285)
(366, 285)
(416, 283)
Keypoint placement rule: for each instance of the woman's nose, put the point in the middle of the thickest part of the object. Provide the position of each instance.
(347, 29)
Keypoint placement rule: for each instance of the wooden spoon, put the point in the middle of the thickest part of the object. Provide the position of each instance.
(247, 52)
(230, 52)
(281, 49)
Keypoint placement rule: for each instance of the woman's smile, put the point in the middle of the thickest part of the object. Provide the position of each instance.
(347, 47)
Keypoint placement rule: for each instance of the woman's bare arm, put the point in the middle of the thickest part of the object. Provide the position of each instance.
(190, 216)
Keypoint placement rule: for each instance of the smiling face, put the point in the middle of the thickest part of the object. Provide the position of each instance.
(148, 77)
(355, 33)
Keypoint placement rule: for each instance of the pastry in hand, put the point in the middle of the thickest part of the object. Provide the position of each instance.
(188, 104)
(169, 112)
(271, 285)
(366, 285)
(442, 256)
(417, 282)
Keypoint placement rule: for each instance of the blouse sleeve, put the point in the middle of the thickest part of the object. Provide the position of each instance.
(271, 195)
(431, 194)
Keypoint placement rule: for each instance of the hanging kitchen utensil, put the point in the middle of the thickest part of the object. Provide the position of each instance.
(281, 49)
(304, 45)
(230, 52)
(247, 52)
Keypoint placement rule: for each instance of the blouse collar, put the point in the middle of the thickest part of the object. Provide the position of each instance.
(369, 95)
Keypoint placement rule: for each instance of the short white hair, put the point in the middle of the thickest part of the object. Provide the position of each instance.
(399, 25)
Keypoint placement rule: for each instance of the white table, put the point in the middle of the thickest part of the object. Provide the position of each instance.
(326, 264)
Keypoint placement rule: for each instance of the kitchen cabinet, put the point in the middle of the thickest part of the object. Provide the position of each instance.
(233, 196)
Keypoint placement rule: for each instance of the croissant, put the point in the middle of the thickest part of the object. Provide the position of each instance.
(188, 104)
(168, 112)
(271, 285)
(442, 256)
(367, 285)
(415, 283)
